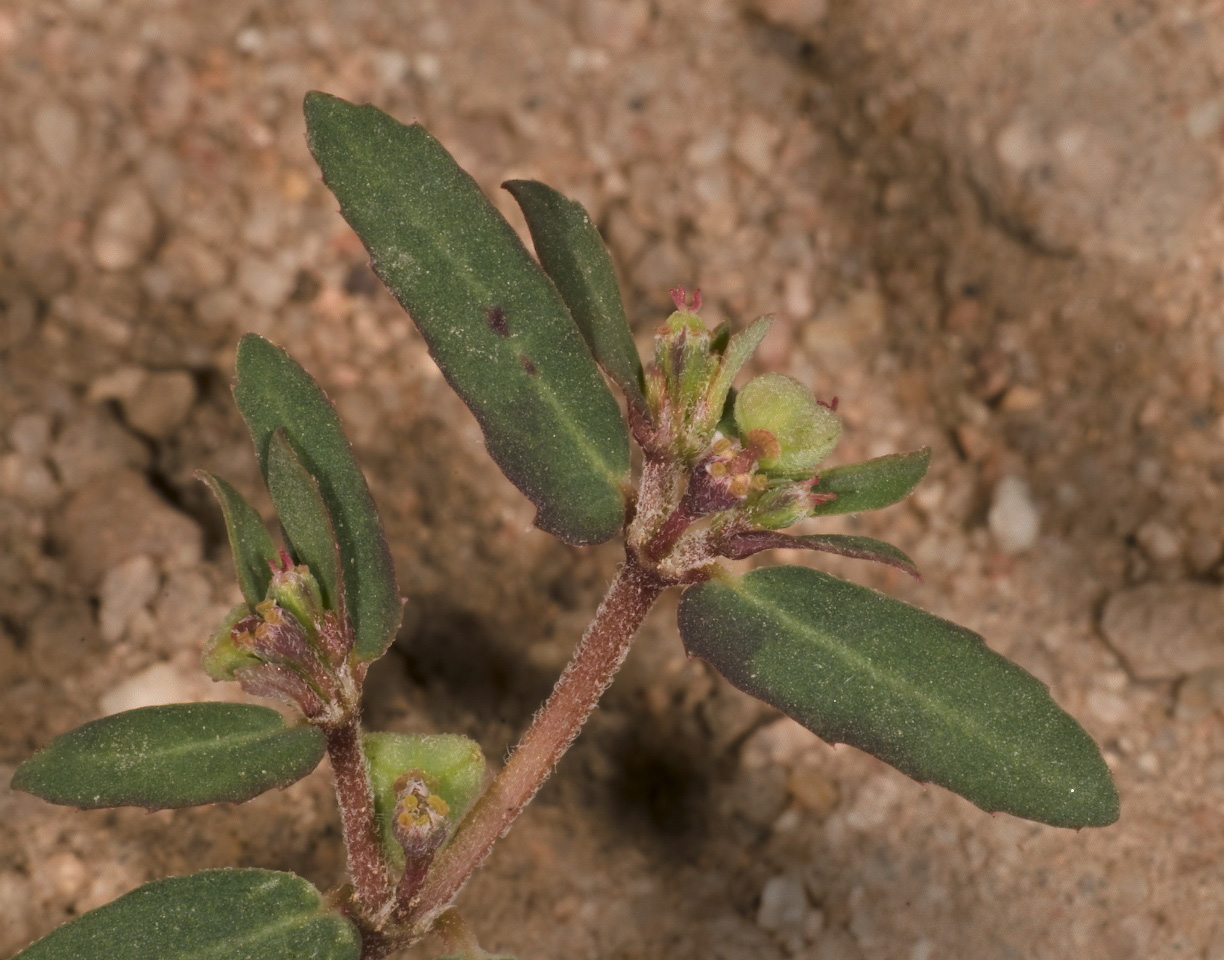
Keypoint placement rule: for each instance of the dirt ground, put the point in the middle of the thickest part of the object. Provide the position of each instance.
(997, 229)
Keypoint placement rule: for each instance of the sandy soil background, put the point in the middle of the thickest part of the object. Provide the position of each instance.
(993, 228)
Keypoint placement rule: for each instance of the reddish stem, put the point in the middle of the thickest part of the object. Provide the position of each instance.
(590, 670)
(366, 861)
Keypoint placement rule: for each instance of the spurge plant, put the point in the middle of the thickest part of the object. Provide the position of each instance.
(530, 346)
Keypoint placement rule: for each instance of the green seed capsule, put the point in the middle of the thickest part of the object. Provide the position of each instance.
(805, 430)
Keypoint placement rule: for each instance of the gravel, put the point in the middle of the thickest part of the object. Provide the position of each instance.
(160, 403)
(124, 230)
(120, 516)
(1166, 631)
(126, 590)
(1013, 518)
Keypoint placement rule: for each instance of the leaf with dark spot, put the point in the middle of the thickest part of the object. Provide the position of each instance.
(449, 257)
(575, 258)
(497, 321)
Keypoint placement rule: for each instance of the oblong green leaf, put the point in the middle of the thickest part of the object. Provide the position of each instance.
(303, 514)
(859, 548)
(252, 545)
(274, 392)
(871, 484)
(214, 915)
(919, 692)
(454, 761)
(494, 323)
(574, 256)
(738, 350)
(178, 755)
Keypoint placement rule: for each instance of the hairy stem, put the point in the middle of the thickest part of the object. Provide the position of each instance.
(366, 862)
(590, 670)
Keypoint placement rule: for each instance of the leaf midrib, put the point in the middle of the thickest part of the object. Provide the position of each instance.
(535, 384)
(240, 740)
(894, 681)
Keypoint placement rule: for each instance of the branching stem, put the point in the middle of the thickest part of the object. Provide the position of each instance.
(366, 862)
(599, 655)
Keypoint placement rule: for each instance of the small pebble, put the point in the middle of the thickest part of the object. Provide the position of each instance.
(118, 517)
(783, 909)
(1013, 517)
(779, 743)
(793, 14)
(813, 790)
(1201, 694)
(124, 230)
(28, 480)
(756, 145)
(160, 683)
(1161, 543)
(161, 403)
(125, 590)
(57, 131)
(1164, 631)
(93, 443)
(268, 281)
(30, 434)
(835, 945)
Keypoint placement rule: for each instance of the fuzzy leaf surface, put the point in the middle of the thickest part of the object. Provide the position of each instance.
(914, 690)
(871, 484)
(738, 351)
(274, 392)
(252, 545)
(858, 548)
(214, 915)
(574, 256)
(454, 761)
(178, 755)
(493, 321)
(303, 514)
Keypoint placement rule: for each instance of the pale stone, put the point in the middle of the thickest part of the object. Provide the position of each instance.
(126, 590)
(124, 230)
(1164, 631)
(1013, 518)
(161, 403)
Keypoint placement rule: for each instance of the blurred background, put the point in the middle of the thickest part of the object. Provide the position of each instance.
(996, 229)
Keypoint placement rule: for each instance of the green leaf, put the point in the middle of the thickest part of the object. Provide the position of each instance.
(494, 323)
(873, 483)
(215, 915)
(179, 755)
(920, 693)
(860, 548)
(574, 256)
(454, 761)
(249, 539)
(303, 514)
(274, 392)
(739, 348)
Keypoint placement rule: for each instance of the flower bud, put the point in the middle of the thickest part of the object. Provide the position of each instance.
(422, 818)
(790, 429)
(297, 591)
(222, 655)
